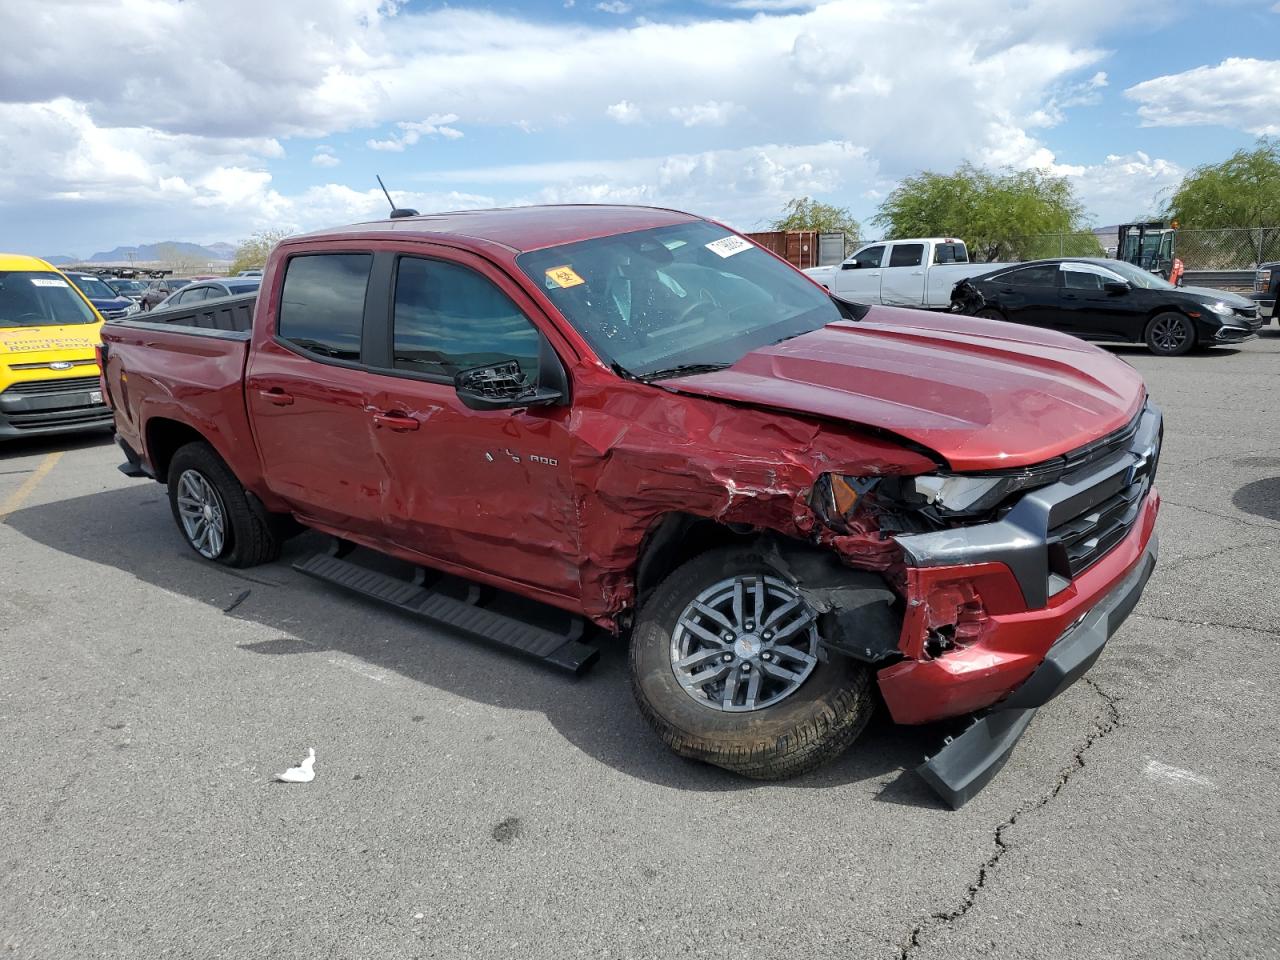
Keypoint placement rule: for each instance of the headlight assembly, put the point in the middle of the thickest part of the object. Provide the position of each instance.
(941, 496)
(1221, 309)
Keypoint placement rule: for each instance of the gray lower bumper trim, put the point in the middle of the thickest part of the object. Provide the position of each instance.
(966, 764)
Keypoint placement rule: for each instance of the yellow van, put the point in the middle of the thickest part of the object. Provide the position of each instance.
(48, 370)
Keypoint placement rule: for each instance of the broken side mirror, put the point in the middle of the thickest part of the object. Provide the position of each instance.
(1116, 287)
(505, 386)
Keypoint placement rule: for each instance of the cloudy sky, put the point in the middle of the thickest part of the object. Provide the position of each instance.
(132, 121)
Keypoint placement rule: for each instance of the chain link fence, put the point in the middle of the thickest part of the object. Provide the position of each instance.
(1200, 250)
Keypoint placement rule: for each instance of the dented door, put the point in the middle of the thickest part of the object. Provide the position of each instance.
(490, 491)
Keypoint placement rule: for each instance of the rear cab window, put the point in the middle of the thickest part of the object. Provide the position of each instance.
(32, 298)
(322, 303)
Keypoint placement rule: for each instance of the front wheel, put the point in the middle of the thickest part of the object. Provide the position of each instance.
(1170, 335)
(726, 668)
(989, 313)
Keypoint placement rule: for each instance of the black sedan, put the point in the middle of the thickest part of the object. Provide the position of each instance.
(1109, 300)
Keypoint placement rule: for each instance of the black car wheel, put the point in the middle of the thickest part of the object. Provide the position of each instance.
(727, 669)
(989, 313)
(1170, 334)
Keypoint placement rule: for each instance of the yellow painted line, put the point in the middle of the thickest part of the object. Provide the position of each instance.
(16, 499)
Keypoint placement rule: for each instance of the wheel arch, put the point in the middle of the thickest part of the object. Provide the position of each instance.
(164, 437)
(675, 538)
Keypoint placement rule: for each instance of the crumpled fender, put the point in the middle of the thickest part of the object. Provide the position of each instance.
(642, 452)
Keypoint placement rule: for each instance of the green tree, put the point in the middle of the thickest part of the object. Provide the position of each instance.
(1241, 191)
(1015, 214)
(802, 213)
(251, 254)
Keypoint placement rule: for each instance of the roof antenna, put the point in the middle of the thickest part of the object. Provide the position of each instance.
(396, 212)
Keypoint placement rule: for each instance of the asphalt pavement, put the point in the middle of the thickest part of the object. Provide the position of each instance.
(467, 804)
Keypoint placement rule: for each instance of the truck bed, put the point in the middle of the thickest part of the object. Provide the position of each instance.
(229, 314)
(185, 366)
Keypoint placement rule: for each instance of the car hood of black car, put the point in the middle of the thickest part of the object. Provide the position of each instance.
(1209, 295)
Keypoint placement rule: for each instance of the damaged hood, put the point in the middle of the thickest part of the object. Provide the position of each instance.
(984, 395)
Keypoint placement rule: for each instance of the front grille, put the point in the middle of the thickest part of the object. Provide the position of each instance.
(59, 418)
(114, 314)
(47, 366)
(1114, 505)
(51, 387)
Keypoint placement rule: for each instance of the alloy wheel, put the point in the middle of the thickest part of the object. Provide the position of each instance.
(202, 514)
(744, 644)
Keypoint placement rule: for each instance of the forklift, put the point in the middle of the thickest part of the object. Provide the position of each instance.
(1150, 246)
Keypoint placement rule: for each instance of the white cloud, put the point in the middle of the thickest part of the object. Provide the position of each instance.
(739, 186)
(411, 131)
(614, 6)
(624, 111)
(192, 92)
(1239, 92)
(713, 113)
(324, 157)
(1122, 187)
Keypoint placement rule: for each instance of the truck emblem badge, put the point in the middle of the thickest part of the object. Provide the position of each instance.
(60, 365)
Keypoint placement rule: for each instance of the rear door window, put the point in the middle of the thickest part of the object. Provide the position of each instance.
(906, 255)
(322, 304)
(449, 318)
(1078, 280)
(1043, 275)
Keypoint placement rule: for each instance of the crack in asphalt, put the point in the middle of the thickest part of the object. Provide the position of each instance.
(1265, 525)
(1271, 632)
(1103, 724)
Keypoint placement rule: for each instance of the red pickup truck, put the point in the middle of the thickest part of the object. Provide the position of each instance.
(793, 506)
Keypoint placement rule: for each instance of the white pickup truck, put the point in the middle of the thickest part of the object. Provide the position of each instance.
(918, 272)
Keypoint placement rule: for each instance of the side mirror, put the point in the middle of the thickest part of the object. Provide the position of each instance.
(1116, 287)
(504, 386)
(849, 265)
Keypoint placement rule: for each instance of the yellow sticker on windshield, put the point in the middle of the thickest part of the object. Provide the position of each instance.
(564, 276)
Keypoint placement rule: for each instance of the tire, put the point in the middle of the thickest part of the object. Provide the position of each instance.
(247, 535)
(989, 313)
(801, 730)
(1170, 334)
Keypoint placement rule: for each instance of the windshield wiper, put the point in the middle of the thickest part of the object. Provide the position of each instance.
(682, 370)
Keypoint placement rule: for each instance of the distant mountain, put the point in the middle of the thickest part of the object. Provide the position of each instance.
(225, 251)
(169, 250)
(59, 260)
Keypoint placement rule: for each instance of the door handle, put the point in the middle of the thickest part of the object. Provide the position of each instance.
(398, 422)
(276, 396)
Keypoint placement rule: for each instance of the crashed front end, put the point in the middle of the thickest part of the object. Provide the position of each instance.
(1011, 584)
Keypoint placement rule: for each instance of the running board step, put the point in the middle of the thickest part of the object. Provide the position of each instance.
(560, 650)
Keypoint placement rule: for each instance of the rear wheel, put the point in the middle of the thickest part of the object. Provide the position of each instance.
(214, 513)
(726, 668)
(1170, 334)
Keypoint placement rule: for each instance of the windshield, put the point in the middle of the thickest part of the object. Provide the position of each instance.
(127, 286)
(1139, 277)
(40, 299)
(93, 288)
(692, 295)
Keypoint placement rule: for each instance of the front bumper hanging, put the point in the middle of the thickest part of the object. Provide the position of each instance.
(968, 762)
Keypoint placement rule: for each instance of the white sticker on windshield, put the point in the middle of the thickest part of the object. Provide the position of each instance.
(50, 282)
(728, 246)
